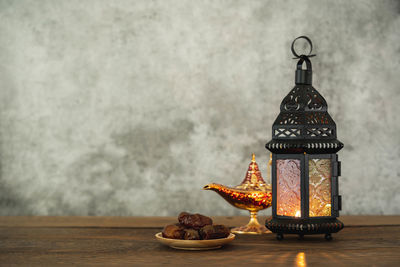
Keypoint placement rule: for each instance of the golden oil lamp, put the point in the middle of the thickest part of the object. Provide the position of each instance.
(252, 194)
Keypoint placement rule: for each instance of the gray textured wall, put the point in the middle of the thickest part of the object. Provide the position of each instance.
(130, 107)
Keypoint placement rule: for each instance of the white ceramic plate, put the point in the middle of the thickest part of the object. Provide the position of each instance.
(195, 244)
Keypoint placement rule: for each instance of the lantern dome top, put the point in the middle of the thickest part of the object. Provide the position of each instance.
(304, 124)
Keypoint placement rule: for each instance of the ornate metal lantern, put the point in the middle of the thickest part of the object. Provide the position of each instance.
(305, 166)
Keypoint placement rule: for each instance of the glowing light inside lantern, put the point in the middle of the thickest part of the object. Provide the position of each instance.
(320, 187)
(298, 214)
(288, 174)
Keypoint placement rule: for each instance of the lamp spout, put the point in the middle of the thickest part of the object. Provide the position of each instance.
(209, 187)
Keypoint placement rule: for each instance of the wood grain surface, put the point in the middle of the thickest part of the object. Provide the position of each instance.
(105, 241)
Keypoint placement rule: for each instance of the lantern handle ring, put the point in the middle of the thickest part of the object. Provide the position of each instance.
(302, 56)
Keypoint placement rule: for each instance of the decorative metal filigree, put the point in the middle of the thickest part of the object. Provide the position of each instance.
(288, 118)
(318, 118)
(304, 98)
(320, 132)
(287, 132)
(304, 118)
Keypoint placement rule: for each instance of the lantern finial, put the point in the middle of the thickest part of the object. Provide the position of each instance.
(294, 51)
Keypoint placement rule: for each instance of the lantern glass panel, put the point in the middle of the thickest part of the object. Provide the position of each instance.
(320, 187)
(288, 187)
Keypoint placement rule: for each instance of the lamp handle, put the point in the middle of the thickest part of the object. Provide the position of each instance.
(308, 41)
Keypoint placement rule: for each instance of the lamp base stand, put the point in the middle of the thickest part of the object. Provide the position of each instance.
(301, 227)
(252, 228)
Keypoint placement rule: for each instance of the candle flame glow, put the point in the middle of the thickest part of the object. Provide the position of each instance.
(298, 214)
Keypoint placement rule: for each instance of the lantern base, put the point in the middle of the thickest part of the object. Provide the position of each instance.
(304, 226)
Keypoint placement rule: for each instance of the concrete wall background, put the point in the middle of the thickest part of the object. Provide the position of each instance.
(130, 107)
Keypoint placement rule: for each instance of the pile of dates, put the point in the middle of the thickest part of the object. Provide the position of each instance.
(195, 227)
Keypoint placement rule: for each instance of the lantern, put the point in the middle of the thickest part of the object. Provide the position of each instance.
(305, 166)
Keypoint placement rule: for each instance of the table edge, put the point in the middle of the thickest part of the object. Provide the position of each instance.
(152, 222)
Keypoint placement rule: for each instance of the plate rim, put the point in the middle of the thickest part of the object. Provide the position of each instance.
(231, 236)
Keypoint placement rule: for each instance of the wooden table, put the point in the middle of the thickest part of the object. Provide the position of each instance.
(50, 241)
